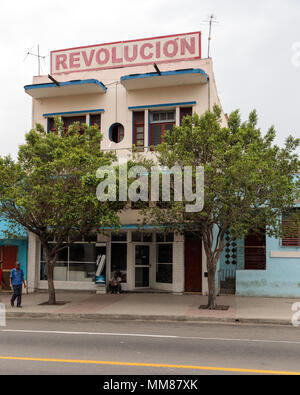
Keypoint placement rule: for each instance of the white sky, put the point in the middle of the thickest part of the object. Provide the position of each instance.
(251, 49)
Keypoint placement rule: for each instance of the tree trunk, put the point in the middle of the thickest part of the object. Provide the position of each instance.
(51, 289)
(212, 297)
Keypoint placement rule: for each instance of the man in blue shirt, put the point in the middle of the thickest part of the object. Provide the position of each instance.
(16, 281)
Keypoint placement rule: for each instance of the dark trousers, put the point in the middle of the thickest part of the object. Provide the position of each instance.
(114, 289)
(17, 294)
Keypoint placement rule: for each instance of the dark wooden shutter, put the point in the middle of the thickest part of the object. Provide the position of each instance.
(291, 231)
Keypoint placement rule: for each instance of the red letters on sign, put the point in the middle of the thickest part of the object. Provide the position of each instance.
(128, 53)
(143, 51)
(114, 56)
(88, 60)
(61, 61)
(106, 56)
(74, 60)
(191, 47)
(167, 52)
(134, 55)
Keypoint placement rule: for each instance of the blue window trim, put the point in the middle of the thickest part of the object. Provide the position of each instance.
(165, 73)
(135, 227)
(68, 83)
(132, 128)
(56, 114)
(190, 103)
(149, 130)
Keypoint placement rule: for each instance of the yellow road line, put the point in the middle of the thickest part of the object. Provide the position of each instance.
(152, 365)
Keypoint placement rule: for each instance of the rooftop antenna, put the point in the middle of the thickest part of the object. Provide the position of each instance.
(211, 21)
(37, 55)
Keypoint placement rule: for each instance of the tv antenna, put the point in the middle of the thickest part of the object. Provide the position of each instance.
(210, 21)
(37, 55)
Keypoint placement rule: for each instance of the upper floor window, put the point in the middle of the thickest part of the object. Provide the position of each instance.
(69, 121)
(95, 119)
(139, 130)
(116, 133)
(291, 229)
(184, 112)
(160, 122)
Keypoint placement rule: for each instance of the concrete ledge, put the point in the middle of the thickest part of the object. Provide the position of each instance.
(143, 318)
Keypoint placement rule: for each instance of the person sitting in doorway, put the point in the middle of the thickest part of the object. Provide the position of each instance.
(115, 283)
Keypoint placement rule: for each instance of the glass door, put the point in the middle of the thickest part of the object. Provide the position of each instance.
(142, 266)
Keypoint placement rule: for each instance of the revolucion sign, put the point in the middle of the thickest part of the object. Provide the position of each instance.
(127, 53)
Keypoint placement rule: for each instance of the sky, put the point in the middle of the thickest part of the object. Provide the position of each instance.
(255, 49)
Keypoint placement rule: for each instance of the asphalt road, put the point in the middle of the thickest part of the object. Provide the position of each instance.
(129, 348)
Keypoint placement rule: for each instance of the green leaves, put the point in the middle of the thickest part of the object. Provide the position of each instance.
(249, 181)
(51, 188)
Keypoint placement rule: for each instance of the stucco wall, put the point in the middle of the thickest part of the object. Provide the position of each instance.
(281, 277)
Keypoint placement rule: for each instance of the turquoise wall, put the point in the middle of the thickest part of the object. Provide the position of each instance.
(19, 241)
(280, 279)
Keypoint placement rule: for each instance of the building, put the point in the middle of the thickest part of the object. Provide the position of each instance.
(134, 91)
(259, 265)
(12, 250)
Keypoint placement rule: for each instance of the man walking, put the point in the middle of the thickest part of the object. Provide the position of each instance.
(16, 281)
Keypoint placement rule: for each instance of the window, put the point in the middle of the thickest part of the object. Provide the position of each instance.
(142, 237)
(291, 229)
(51, 125)
(75, 263)
(164, 237)
(68, 121)
(116, 133)
(120, 236)
(184, 112)
(95, 119)
(139, 130)
(119, 260)
(164, 266)
(161, 121)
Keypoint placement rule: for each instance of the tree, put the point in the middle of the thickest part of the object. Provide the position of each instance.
(50, 190)
(249, 181)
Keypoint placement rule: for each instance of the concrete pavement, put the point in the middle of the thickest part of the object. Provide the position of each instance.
(153, 307)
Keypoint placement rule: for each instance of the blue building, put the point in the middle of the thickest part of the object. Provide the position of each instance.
(261, 265)
(12, 250)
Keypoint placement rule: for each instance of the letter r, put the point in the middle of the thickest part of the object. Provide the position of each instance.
(61, 61)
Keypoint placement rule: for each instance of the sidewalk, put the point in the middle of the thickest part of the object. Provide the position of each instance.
(154, 307)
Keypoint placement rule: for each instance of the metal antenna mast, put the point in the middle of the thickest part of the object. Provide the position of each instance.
(211, 21)
(38, 56)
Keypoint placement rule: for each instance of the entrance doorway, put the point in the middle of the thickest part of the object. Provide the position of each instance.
(193, 265)
(9, 256)
(142, 266)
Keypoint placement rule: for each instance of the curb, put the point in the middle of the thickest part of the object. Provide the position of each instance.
(144, 318)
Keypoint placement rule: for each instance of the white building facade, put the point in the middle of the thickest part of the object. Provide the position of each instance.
(134, 91)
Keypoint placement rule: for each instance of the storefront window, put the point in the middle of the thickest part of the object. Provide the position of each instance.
(75, 263)
(164, 264)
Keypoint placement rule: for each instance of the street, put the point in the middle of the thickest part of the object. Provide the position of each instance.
(129, 348)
